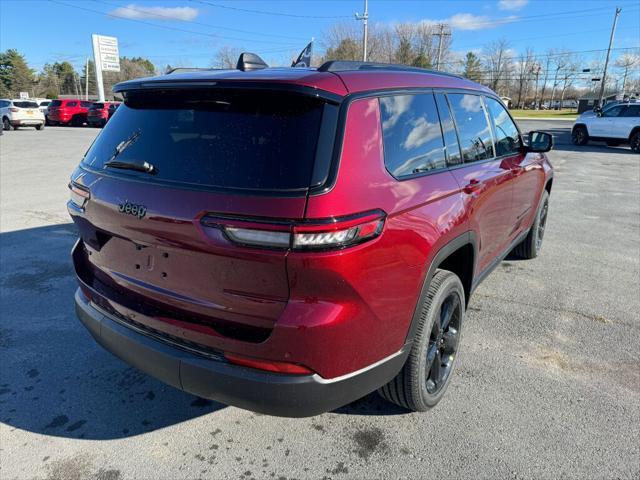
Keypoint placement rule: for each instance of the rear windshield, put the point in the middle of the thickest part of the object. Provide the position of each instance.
(55, 103)
(25, 104)
(216, 139)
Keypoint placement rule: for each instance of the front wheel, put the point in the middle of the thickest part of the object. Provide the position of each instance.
(579, 135)
(423, 380)
(40, 127)
(634, 142)
(6, 124)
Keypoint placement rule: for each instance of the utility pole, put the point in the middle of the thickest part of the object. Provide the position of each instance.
(86, 80)
(364, 17)
(606, 62)
(441, 33)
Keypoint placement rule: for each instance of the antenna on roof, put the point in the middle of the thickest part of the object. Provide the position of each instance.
(248, 61)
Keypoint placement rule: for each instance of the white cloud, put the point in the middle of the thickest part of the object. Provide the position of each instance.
(421, 133)
(138, 12)
(512, 5)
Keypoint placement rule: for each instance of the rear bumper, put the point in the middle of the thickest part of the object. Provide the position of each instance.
(27, 122)
(216, 379)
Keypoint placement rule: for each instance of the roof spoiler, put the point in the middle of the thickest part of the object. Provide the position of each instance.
(248, 61)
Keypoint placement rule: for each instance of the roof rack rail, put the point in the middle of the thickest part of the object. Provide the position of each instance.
(347, 65)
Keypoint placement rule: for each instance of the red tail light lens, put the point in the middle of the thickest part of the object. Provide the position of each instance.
(268, 365)
(14, 109)
(329, 234)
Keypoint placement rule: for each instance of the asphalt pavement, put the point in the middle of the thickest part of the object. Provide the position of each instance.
(548, 384)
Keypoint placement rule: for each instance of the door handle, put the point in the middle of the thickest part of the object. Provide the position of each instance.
(473, 186)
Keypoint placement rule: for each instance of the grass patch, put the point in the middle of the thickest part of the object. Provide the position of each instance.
(564, 114)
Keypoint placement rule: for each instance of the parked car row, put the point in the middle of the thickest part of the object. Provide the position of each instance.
(38, 112)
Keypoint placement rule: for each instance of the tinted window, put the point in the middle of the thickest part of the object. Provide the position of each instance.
(85, 104)
(71, 104)
(507, 137)
(631, 111)
(448, 130)
(473, 130)
(97, 106)
(4, 103)
(613, 111)
(411, 134)
(55, 103)
(25, 104)
(215, 139)
(45, 103)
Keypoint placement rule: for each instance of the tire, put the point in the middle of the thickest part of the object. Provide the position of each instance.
(40, 127)
(579, 135)
(414, 387)
(634, 142)
(76, 121)
(530, 247)
(6, 124)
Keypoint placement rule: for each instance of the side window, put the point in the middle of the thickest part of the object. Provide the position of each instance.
(71, 104)
(631, 111)
(411, 135)
(86, 104)
(507, 137)
(613, 111)
(448, 131)
(473, 130)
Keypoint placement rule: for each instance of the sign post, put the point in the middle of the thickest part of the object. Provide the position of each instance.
(106, 58)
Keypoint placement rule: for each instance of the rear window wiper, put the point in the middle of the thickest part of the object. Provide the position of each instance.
(121, 147)
(143, 167)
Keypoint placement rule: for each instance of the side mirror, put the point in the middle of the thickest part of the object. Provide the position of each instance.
(539, 142)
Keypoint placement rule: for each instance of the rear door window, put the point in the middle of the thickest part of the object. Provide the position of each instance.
(411, 135)
(55, 103)
(506, 132)
(474, 131)
(71, 104)
(219, 139)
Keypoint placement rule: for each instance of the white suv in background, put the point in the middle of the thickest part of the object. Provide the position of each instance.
(20, 113)
(615, 125)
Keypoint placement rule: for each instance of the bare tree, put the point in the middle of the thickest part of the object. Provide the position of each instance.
(627, 62)
(524, 71)
(560, 61)
(498, 62)
(227, 57)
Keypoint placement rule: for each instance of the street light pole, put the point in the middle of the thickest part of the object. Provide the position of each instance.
(364, 17)
(606, 62)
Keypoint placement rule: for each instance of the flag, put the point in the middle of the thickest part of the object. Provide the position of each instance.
(304, 59)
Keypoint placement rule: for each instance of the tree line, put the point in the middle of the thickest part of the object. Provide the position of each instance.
(61, 78)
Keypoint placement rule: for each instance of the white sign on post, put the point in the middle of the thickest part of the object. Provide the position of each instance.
(24, 95)
(106, 58)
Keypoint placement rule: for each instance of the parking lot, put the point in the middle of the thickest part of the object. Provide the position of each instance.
(548, 384)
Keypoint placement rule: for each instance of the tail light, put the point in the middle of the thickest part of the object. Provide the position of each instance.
(79, 194)
(268, 365)
(14, 109)
(317, 235)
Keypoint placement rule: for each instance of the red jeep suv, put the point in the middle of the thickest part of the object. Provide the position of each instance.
(68, 112)
(100, 113)
(288, 240)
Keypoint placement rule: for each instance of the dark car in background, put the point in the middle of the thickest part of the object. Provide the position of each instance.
(68, 112)
(100, 113)
(290, 240)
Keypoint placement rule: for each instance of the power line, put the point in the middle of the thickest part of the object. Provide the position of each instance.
(169, 17)
(265, 12)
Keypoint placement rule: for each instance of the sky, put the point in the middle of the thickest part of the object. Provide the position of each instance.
(189, 32)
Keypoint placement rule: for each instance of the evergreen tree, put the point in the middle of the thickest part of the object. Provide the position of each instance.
(15, 74)
(472, 67)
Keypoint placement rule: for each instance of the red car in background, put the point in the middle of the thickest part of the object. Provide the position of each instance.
(100, 113)
(68, 112)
